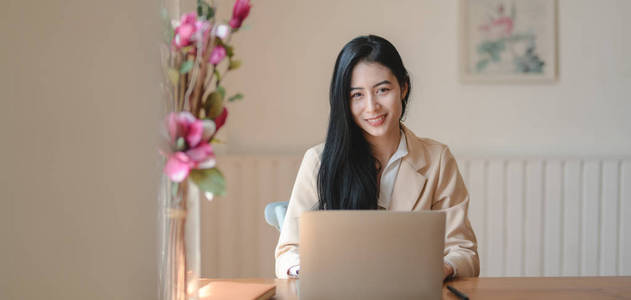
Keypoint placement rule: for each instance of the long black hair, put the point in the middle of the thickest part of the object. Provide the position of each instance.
(347, 178)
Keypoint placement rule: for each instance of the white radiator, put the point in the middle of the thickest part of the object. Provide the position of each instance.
(532, 217)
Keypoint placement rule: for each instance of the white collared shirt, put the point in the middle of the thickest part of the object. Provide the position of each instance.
(389, 173)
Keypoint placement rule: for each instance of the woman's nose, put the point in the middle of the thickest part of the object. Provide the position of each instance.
(372, 104)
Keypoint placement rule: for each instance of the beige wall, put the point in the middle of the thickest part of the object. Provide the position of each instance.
(291, 46)
(78, 116)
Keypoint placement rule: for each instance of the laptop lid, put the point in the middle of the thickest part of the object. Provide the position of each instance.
(371, 255)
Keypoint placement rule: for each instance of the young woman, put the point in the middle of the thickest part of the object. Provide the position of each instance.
(372, 161)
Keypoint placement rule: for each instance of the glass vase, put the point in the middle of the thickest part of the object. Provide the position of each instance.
(180, 264)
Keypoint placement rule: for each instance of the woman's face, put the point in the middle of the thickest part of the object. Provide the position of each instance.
(375, 98)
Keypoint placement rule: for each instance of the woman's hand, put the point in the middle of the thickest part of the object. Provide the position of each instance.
(448, 270)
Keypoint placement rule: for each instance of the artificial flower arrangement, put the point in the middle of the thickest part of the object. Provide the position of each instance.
(198, 57)
(197, 54)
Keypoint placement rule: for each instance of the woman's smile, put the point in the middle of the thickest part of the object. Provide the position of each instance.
(377, 121)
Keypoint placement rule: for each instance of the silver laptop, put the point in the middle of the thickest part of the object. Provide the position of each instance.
(371, 255)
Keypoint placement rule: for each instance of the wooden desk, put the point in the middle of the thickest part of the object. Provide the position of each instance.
(542, 288)
(504, 288)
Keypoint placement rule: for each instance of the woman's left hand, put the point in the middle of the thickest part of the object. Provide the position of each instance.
(448, 270)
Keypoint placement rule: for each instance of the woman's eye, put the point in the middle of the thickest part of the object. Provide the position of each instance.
(356, 95)
(383, 90)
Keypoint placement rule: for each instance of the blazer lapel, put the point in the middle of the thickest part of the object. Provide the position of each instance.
(407, 188)
(409, 183)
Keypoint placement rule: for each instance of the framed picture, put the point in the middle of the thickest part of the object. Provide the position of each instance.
(508, 40)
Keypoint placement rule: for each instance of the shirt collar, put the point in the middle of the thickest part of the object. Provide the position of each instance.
(389, 173)
(402, 150)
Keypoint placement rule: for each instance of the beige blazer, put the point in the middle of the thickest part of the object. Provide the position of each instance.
(428, 179)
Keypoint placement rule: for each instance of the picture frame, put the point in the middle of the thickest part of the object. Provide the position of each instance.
(508, 41)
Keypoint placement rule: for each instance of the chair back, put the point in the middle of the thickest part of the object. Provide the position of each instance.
(275, 213)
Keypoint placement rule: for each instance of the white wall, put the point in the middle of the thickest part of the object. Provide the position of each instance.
(290, 49)
(78, 163)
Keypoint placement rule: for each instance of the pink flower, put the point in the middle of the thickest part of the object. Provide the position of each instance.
(200, 153)
(203, 156)
(202, 28)
(197, 153)
(185, 30)
(189, 30)
(217, 55)
(222, 31)
(221, 119)
(195, 131)
(188, 18)
(502, 25)
(178, 166)
(240, 11)
(178, 124)
(185, 125)
(499, 26)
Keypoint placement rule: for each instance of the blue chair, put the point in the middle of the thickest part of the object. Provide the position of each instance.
(275, 213)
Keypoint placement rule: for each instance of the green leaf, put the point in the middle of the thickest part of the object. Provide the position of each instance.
(166, 23)
(180, 144)
(186, 49)
(174, 76)
(236, 97)
(211, 13)
(209, 180)
(481, 65)
(234, 64)
(217, 75)
(204, 10)
(168, 34)
(216, 141)
(186, 67)
(200, 9)
(213, 105)
(174, 188)
(220, 43)
(229, 51)
(221, 91)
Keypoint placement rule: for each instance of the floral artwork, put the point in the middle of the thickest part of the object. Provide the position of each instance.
(509, 40)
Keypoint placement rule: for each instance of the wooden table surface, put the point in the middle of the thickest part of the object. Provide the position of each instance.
(502, 288)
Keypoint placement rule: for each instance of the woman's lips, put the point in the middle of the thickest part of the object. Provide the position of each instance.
(376, 121)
